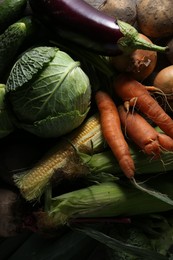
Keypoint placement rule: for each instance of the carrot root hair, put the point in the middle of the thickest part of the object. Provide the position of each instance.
(128, 88)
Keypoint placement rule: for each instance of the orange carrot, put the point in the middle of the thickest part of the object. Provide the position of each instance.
(137, 94)
(111, 129)
(166, 142)
(143, 134)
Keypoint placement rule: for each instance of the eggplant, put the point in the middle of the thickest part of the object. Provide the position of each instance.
(86, 26)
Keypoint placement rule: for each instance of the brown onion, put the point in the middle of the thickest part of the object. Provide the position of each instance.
(164, 80)
(140, 63)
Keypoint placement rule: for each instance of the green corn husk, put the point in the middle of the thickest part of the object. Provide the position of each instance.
(106, 162)
(110, 199)
(78, 155)
(61, 160)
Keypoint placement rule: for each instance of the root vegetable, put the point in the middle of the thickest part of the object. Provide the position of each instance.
(96, 3)
(124, 10)
(140, 63)
(111, 128)
(164, 81)
(155, 18)
(137, 95)
(166, 142)
(143, 134)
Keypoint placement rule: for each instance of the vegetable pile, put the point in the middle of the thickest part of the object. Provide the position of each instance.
(86, 124)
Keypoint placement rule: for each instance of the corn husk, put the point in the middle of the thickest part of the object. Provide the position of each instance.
(105, 162)
(62, 159)
(110, 199)
(82, 153)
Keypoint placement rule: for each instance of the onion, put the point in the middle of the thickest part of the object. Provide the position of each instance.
(140, 63)
(164, 81)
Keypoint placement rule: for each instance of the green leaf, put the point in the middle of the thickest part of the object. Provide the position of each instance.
(121, 246)
(56, 126)
(52, 96)
(152, 192)
(28, 65)
(60, 87)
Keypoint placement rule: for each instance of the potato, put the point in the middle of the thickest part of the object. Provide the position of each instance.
(155, 17)
(97, 4)
(124, 10)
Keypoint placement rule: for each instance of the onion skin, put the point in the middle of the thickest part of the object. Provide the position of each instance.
(140, 63)
(81, 23)
(164, 80)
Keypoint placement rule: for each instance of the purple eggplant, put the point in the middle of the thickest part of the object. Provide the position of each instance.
(81, 23)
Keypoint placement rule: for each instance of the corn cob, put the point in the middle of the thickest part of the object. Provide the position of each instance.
(87, 138)
(109, 199)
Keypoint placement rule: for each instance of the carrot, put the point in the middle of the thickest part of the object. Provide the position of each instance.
(111, 129)
(137, 94)
(166, 142)
(143, 134)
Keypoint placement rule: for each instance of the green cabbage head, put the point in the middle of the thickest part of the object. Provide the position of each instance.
(48, 93)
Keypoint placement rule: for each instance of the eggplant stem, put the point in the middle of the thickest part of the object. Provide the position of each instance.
(131, 40)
